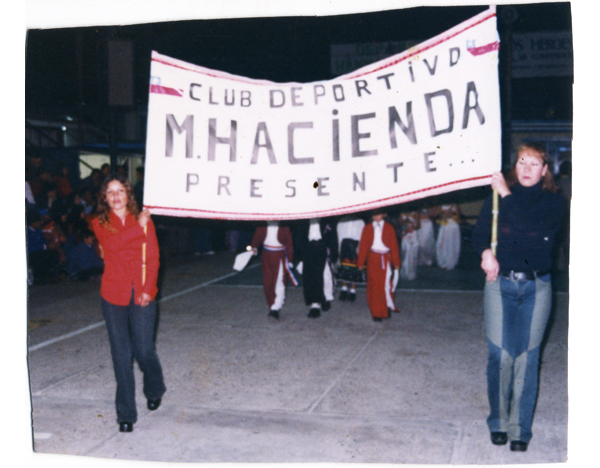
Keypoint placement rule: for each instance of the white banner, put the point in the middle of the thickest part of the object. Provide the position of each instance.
(420, 123)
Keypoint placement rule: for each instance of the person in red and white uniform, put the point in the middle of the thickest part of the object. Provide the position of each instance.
(378, 249)
(277, 258)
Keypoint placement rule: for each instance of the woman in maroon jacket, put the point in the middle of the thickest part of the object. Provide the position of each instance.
(128, 243)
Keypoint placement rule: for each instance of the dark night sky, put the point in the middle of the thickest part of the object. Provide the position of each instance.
(279, 49)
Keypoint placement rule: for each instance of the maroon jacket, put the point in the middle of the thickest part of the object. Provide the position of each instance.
(284, 236)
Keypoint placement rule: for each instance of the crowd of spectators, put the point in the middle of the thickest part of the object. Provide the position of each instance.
(60, 242)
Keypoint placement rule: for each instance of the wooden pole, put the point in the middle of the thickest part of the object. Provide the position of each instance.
(494, 242)
(144, 257)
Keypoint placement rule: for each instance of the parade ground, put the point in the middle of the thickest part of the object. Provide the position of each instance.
(243, 387)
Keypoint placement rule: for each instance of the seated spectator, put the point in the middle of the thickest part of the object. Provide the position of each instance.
(55, 238)
(123, 170)
(83, 259)
(60, 216)
(93, 181)
(76, 220)
(61, 179)
(49, 200)
(87, 199)
(42, 262)
(105, 170)
(40, 177)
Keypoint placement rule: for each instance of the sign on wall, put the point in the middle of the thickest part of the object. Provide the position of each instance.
(420, 123)
(542, 54)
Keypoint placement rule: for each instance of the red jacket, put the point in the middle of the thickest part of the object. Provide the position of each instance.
(123, 259)
(388, 236)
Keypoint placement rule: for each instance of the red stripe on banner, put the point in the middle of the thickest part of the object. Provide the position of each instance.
(347, 77)
(406, 197)
(484, 49)
(157, 89)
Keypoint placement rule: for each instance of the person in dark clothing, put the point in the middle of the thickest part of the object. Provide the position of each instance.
(93, 182)
(83, 260)
(43, 263)
(564, 189)
(518, 290)
(138, 189)
(105, 170)
(317, 252)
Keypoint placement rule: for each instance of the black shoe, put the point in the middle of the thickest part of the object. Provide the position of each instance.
(274, 314)
(314, 313)
(377, 319)
(499, 438)
(352, 296)
(154, 404)
(126, 427)
(518, 446)
(326, 306)
(343, 295)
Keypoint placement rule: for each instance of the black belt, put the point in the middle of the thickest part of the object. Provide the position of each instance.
(523, 275)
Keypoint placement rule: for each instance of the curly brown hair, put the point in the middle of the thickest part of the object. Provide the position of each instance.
(547, 181)
(103, 210)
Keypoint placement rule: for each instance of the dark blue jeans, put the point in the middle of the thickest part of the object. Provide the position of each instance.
(131, 335)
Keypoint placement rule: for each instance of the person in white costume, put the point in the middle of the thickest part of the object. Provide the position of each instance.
(448, 241)
(426, 238)
(409, 224)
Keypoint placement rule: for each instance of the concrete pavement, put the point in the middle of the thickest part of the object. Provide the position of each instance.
(244, 388)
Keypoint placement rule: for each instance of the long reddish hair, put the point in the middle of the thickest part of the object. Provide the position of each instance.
(547, 181)
(103, 210)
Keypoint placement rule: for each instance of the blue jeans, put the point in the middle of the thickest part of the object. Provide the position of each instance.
(131, 335)
(516, 314)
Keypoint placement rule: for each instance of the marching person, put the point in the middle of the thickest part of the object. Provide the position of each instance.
(277, 258)
(378, 248)
(426, 238)
(349, 230)
(129, 246)
(409, 246)
(448, 240)
(316, 252)
(518, 290)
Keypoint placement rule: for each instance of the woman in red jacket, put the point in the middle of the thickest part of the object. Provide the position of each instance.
(127, 238)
